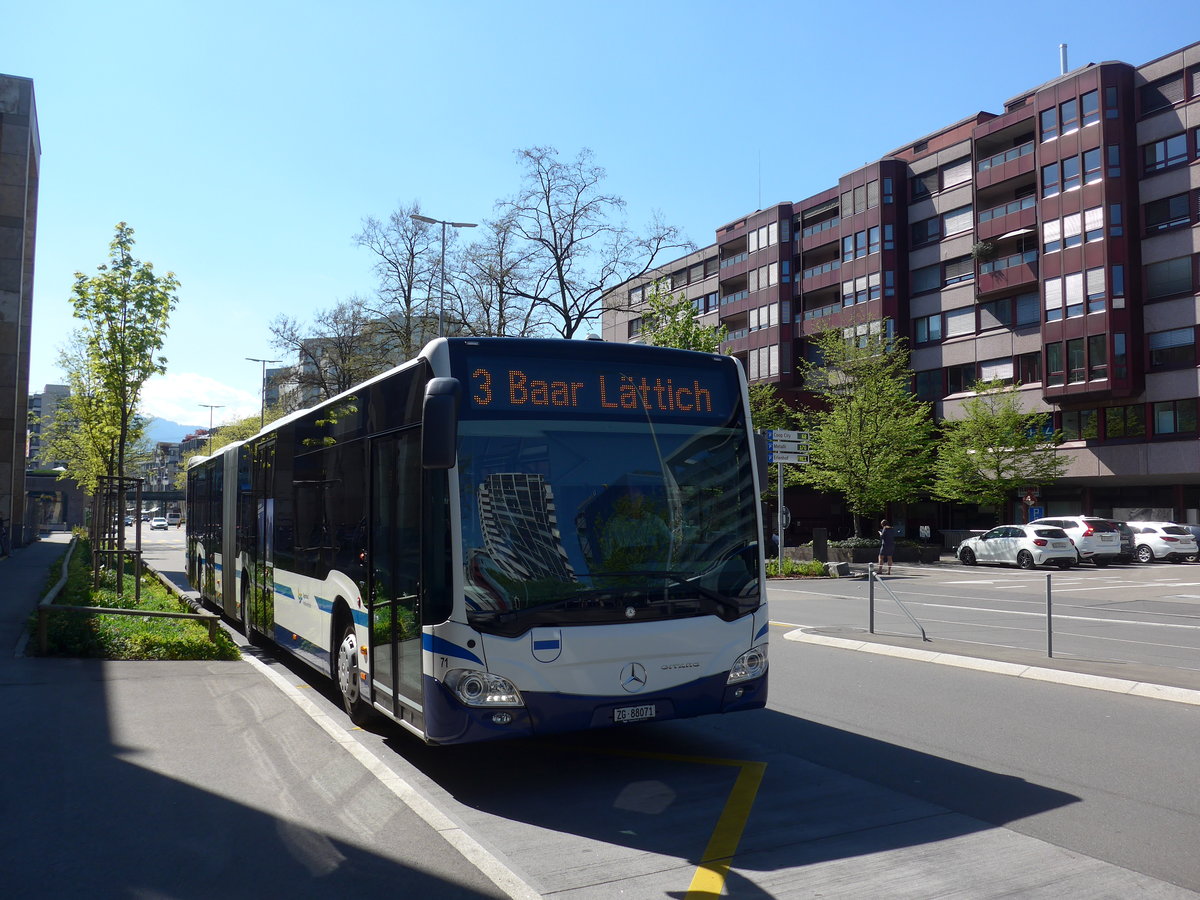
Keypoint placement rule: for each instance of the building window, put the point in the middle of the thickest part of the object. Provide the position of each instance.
(960, 270)
(957, 172)
(1172, 349)
(924, 185)
(1091, 166)
(1097, 357)
(1089, 107)
(1049, 122)
(1111, 107)
(1162, 94)
(925, 231)
(1052, 236)
(1076, 373)
(889, 237)
(1050, 185)
(1171, 276)
(1055, 373)
(1029, 368)
(1071, 178)
(928, 278)
(635, 327)
(888, 195)
(1028, 310)
(1095, 289)
(1073, 294)
(1114, 160)
(960, 322)
(1093, 224)
(873, 239)
(1175, 417)
(928, 385)
(1080, 425)
(1072, 230)
(1163, 154)
(995, 313)
(996, 370)
(957, 220)
(1170, 212)
(927, 329)
(1125, 421)
(848, 248)
(960, 379)
(1118, 287)
(636, 297)
(1069, 118)
(1054, 299)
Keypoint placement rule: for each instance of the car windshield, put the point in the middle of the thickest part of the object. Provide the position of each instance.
(564, 524)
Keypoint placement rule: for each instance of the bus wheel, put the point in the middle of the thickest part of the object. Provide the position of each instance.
(349, 683)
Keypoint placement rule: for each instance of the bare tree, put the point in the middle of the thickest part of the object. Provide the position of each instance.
(406, 264)
(489, 296)
(582, 248)
(342, 347)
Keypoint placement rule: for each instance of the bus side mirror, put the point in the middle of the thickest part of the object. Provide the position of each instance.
(439, 432)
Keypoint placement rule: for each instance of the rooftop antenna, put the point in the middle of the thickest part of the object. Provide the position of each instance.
(1062, 59)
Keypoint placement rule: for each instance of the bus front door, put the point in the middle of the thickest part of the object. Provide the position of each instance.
(262, 563)
(395, 555)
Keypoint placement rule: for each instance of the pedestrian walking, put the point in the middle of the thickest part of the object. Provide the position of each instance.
(887, 546)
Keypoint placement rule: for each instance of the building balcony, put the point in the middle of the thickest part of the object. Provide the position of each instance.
(999, 221)
(1003, 166)
(1007, 272)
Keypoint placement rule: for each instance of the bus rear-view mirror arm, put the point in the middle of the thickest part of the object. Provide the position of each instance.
(439, 432)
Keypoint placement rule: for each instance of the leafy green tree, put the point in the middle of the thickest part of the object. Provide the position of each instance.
(670, 321)
(124, 309)
(238, 430)
(871, 439)
(994, 449)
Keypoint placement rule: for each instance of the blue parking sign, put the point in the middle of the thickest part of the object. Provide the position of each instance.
(1036, 512)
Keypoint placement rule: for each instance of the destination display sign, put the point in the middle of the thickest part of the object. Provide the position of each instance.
(570, 386)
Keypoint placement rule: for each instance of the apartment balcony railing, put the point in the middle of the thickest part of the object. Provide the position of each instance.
(822, 311)
(734, 260)
(1008, 262)
(810, 230)
(1007, 156)
(832, 266)
(1015, 206)
(734, 297)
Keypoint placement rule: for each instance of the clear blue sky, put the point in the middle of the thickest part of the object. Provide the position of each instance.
(245, 142)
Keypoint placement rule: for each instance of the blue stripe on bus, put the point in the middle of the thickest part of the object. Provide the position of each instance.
(762, 630)
(547, 645)
(360, 617)
(284, 590)
(439, 645)
(217, 566)
(325, 606)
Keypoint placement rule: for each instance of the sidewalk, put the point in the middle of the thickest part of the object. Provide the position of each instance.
(187, 779)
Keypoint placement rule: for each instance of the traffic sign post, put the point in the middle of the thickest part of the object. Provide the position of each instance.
(785, 446)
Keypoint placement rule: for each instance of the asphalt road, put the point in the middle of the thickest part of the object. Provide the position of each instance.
(866, 776)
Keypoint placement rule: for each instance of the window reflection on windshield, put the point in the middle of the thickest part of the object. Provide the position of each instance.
(558, 515)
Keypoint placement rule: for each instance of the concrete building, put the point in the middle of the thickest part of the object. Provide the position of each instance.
(20, 153)
(1055, 244)
(43, 407)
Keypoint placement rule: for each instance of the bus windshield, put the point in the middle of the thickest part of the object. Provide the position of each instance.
(564, 522)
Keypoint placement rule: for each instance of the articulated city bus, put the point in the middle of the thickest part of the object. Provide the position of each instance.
(503, 537)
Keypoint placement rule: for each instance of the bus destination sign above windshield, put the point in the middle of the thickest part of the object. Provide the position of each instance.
(570, 386)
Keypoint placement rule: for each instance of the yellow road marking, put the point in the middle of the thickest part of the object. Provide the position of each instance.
(709, 879)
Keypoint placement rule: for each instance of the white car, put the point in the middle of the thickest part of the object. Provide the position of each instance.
(158, 522)
(1162, 540)
(1095, 539)
(1026, 546)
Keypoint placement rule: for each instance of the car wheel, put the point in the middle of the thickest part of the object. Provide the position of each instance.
(1191, 557)
(1025, 560)
(1144, 553)
(966, 557)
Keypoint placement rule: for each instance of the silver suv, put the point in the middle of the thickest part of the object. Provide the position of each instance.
(1095, 539)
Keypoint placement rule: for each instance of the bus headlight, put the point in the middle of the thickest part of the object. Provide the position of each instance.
(475, 688)
(751, 664)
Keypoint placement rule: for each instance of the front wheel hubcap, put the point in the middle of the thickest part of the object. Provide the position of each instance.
(348, 668)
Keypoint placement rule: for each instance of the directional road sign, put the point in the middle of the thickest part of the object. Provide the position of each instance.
(779, 456)
(779, 434)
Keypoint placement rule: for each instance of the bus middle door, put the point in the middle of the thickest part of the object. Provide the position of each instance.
(262, 563)
(395, 555)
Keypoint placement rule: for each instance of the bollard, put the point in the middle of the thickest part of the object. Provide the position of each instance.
(871, 597)
(1049, 620)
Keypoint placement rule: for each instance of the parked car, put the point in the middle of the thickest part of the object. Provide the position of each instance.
(129, 520)
(1095, 539)
(1128, 544)
(158, 522)
(1026, 546)
(1195, 530)
(1163, 540)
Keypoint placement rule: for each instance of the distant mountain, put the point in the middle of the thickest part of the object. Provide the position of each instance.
(165, 430)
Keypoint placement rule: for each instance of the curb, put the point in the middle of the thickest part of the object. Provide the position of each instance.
(996, 667)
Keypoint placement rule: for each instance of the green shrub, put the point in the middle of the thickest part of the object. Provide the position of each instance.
(794, 567)
(99, 636)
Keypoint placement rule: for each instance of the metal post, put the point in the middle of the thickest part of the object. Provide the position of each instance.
(871, 596)
(779, 549)
(1049, 620)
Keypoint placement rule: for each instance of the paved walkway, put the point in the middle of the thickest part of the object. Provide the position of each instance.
(187, 780)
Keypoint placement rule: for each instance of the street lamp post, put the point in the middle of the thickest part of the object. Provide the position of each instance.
(442, 266)
(262, 410)
(211, 407)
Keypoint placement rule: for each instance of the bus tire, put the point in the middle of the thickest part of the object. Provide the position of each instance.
(347, 679)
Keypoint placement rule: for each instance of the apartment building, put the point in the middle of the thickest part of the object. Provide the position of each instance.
(1055, 244)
